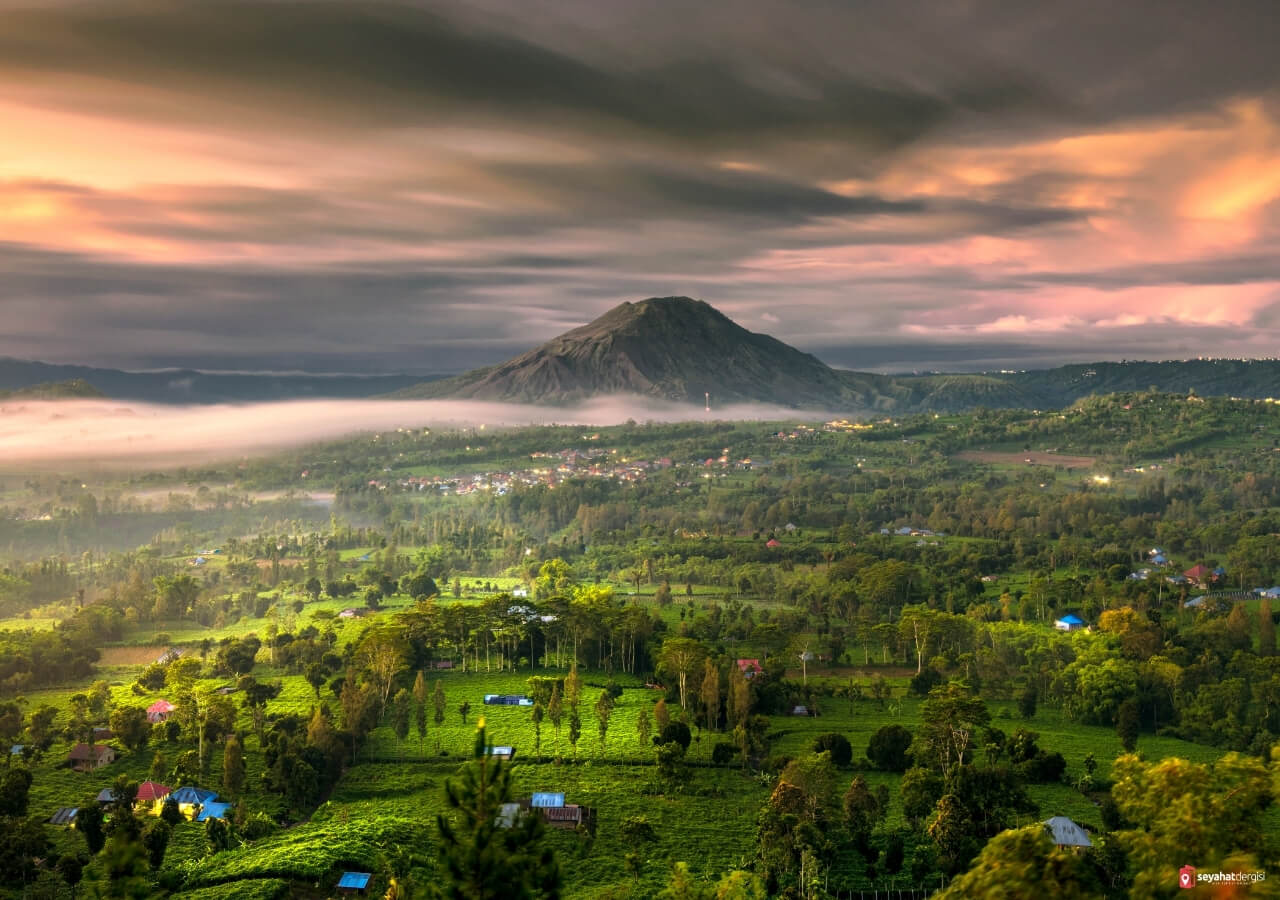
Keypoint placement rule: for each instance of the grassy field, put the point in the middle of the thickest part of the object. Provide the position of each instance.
(394, 790)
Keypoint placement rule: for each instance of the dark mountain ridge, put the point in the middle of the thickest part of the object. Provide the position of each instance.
(679, 349)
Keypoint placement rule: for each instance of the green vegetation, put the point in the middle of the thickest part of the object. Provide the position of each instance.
(667, 598)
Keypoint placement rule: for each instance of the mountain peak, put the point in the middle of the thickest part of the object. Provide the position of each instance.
(670, 348)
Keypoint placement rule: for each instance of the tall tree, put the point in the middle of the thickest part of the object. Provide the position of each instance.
(233, 767)
(604, 709)
(480, 859)
(420, 708)
(679, 657)
(401, 714)
(1266, 629)
(710, 692)
(644, 728)
(555, 711)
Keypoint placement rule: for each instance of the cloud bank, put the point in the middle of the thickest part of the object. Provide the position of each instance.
(104, 433)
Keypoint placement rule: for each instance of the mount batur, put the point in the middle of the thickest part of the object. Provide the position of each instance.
(679, 349)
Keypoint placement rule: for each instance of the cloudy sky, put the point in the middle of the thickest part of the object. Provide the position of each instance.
(362, 186)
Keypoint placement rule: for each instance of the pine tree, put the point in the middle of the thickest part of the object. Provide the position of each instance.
(644, 728)
(420, 707)
(575, 731)
(537, 716)
(604, 709)
(573, 688)
(401, 713)
(555, 711)
(233, 766)
(480, 859)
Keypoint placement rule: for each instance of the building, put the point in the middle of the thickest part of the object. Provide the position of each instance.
(1200, 574)
(502, 752)
(190, 800)
(749, 667)
(1066, 833)
(64, 816)
(1068, 623)
(354, 882)
(159, 711)
(152, 793)
(213, 810)
(85, 758)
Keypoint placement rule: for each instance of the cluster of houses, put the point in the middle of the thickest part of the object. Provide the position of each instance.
(909, 531)
(195, 803)
(552, 809)
(562, 464)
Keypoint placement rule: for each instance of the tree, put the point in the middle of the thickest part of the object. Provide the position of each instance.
(10, 725)
(1266, 629)
(710, 692)
(604, 709)
(464, 709)
(155, 838)
(888, 747)
(480, 860)
(383, 653)
(1127, 724)
(536, 715)
(420, 707)
(233, 766)
(169, 811)
(130, 726)
(89, 820)
(920, 789)
(573, 687)
(316, 676)
(1027, 702)
(679, 657)
(217, 835)
(15, 788)
(437, 700)
(950, 833)
(661, 717)
(643, 726)
(837, 745)
(575, 731)
(1024, 864)
(401, 713)
(951, 719)
(862, 810)
(555, 711)
(739, 697)
(815, 779)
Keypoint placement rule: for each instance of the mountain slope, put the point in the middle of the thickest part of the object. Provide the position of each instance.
(668, 348)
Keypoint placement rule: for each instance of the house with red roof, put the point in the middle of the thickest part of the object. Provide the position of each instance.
(159, 711)
(749, 667)
(1201, 574)
(773, 542)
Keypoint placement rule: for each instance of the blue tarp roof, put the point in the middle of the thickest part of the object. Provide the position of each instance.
(355, 881)
(213, 810)
(547, 800)
(1071, 620)
(190, 794)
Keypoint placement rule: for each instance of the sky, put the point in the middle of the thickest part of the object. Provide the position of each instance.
(363, 186)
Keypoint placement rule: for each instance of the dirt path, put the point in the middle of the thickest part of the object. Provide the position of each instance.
(1032, 457)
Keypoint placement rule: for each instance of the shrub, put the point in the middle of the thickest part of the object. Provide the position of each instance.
(837, 745)
(1043, 768)
(637, 828)
(927, 680)
(677, 733)
(887, 749)
(723, 753)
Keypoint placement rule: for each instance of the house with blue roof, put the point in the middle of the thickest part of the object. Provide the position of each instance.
(1069, 623)
(213, 810)
(354, 882)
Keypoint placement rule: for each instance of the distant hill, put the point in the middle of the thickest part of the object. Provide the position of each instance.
(1047, 388)
(57, 390)
(191, 386)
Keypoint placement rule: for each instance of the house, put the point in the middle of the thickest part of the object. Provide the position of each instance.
(1218, 574)
(502, 752)
(1271, 593)
(789, 527)
(571, 815)
(190, 799)
(152, 793)
(354, 882)
(159, 711)
(773, 542)
(64, 816)
(102, 734)
(107, 796)
(546, 800)
(800, 711)
(1066, 833)
(509, 814)
(213, 810)
(749, 667)
(1178, 579)
(1159, 559)
(18, 750)
(520, 592)
(85, 758)
(169, 656)
(444, 664)
(507, 700)
(1069, 623)
(1198, 573)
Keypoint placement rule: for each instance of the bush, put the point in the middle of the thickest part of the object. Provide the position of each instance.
(677, 733)
(927, 680)
(723, 753)
(837, 745)
(887, 749)
(1043, 768)
(637, 828)
(775, 764)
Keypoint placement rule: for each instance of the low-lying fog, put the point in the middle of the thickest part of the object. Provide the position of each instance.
(114, 433)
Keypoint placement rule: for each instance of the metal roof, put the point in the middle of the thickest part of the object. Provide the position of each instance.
(64, 816)
(355, 881)
(1067, 833)
(547, 800)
